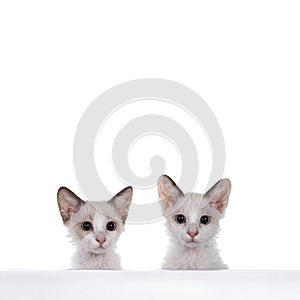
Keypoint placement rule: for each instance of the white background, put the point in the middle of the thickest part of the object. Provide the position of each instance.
(242, 57)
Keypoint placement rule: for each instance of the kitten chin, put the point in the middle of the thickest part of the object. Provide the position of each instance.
(94, 227)
(192, 222)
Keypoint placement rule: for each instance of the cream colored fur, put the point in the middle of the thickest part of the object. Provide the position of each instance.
(95, 248)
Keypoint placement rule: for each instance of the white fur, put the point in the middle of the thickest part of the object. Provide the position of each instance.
(200, 252)
(90, 253)
(84, 259)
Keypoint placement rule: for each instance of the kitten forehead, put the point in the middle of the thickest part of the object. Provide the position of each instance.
(103, 208)
(196, 199)
(193, 200)
(189, 202)
(93, 209)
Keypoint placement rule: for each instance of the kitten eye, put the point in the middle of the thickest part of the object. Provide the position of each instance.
(86, 226)
(111, 226)
(204, 220)
(180, 219)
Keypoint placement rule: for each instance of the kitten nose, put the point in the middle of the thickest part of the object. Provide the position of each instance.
(192, 230)
(192, 234)
(100, 238)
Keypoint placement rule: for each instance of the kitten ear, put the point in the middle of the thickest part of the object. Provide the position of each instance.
(168, 192)
(218, 195)
(68, 203)
(122, 201)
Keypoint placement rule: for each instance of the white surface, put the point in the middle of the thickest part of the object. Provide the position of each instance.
(242, 57)
(150, 285)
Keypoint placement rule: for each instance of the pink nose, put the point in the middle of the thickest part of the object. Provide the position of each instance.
(100, 239)
(192, 234)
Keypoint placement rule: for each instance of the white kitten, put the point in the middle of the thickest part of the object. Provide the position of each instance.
(94, 227)
(192, 223)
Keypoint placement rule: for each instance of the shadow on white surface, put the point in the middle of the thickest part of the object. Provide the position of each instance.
(71, 284)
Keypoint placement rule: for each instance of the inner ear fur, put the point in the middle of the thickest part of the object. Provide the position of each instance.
(122, 201)
(68, 203)
(168, 192)
(218, 195)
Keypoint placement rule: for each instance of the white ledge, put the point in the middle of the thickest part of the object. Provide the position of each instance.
(73, 284)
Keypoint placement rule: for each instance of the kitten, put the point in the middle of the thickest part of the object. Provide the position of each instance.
(94, 227)
(192, 223)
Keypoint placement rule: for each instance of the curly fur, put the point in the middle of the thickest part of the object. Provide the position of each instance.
(95, 248)
(199, 251)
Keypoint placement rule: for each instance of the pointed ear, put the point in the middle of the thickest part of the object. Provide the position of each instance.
(122, 201)
(68, 203)
(218, 195)
(168, 192)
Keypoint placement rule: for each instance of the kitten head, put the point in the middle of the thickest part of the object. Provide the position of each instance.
(95, 226)
(193, 218)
